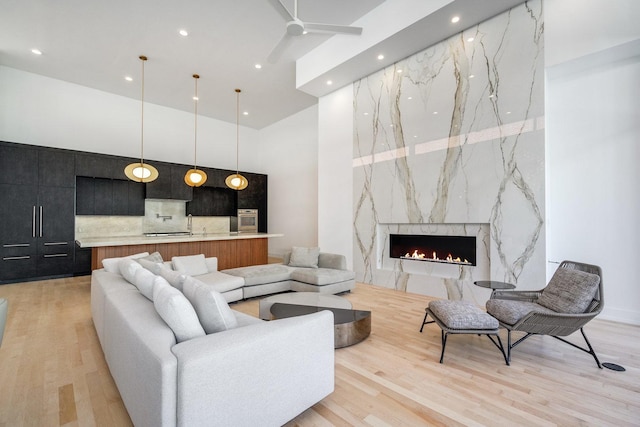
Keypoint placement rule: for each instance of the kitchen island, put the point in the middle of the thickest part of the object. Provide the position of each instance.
(232, 249)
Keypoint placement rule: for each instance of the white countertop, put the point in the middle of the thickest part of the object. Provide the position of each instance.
(92, 242)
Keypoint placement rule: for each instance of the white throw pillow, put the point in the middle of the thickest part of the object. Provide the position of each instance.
(128, 268)
(191, 265)
(174, 278)
(143, 280)
(176, 311)
(304, 257)
(111, 264)
(212, 309)
(154, 257)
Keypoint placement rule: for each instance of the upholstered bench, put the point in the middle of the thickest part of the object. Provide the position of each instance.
(462, 317)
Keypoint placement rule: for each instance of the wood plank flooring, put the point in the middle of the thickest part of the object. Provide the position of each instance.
(52, 370)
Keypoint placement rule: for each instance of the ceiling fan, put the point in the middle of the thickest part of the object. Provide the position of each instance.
(296, 27)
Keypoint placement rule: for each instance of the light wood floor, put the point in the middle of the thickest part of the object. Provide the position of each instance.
(52, 370)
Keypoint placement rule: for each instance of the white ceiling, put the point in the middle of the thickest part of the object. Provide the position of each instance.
(97, 43)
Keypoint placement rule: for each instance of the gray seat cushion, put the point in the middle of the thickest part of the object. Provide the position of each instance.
(261, 274)
(510, 311)
(321, 276)
(221, 282)
(462, 315)
(569, 291)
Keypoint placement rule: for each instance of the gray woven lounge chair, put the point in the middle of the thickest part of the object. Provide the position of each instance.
(572, 298)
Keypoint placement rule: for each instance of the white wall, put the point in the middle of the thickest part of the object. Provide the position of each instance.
(44, 111)
(592, 104)
(290, 157)
(335, 173)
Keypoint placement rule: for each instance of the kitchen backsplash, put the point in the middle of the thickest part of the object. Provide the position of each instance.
(161, 216)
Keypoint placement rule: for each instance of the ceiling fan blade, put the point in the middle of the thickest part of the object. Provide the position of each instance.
(277, 51)
(279, 7)
(330, 28)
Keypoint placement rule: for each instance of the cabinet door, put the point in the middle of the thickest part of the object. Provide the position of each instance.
(120, 196)
(56, 168)
(18, 165)
(56, 214)
(103, 201)
(160, 188)
(136, 194)
(17, 231)
(255, 197)
(179, 189)
(85, 196)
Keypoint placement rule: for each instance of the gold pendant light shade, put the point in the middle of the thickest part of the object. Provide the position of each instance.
(236, 181)
(141, 171)
(195, 177)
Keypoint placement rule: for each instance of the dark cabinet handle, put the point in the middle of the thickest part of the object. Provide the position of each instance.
(56, 243)
(14, 258)
(17, 245)
(55, 255)
(41, 221)
(33, 222)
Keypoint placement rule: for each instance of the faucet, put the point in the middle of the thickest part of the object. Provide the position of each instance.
(190, 224)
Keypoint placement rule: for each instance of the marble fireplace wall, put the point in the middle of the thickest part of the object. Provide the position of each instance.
(455, 135)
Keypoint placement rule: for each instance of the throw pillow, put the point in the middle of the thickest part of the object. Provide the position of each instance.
(111, 264)
(304, 257)
(128, 268)
(154, 257)
(569, 291)
(174, 278)
(143, 280)
(212, 309)
(192, 265)
(176, 311)
(152, 266)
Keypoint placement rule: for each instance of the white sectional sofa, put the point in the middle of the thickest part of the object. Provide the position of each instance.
(255, 373)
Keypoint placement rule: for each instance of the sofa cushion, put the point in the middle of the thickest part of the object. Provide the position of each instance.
(144, 280)
(304, 257)
(152, 266)
(211, 307)
(174, 278)
(221, 282)
(176, 310)
(111, 264)
(510, 312)
(321, 276)
(191, 265)
(128, 268)
(569, 291)
(153, 257)
(261, 274)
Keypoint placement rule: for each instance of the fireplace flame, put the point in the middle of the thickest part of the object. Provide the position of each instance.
(434, 257)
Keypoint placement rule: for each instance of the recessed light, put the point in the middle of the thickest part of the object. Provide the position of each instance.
(435, 112)
(381, 56)
(246, 113)
(258, 66)
(455, 19)
(329, 82)
(470, 39)
(183, 33)
(128, 78)
(36, 51)
(399, 70)
(195, 98)
(410, 97)
(471, 76)
(508, 112)
(366, 114)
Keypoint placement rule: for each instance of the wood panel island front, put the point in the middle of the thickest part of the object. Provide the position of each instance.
(232, 249)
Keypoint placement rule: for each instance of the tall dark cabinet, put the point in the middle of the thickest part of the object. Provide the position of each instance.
(37, 193)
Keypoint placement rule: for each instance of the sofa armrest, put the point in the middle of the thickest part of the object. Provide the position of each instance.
(212, 264)
(262, 374)
(335, 261)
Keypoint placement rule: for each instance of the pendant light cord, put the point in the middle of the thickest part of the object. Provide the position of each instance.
(237, 130)
(143, 59)
(195, 126)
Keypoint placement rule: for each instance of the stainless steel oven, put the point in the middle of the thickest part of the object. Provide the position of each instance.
(248, 220)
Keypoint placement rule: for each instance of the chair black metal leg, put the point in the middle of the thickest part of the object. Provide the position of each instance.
(500, 347)
(508, 347)
(444, 343)
(590, 350)
(424, 321)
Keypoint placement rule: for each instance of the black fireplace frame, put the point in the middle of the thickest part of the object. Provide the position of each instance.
(463, 247)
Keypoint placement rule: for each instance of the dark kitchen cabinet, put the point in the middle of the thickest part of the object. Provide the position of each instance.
(255, 197)
(170, 183)
(37, 231)
(212, 201)
(101, 165)
(37, 211)
(100, 196)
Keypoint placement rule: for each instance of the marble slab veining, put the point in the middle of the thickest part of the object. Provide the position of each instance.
(455, 135)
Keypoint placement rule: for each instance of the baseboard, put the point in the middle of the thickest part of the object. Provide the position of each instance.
(618, 315)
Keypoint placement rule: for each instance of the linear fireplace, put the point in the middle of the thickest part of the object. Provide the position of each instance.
(433, 248)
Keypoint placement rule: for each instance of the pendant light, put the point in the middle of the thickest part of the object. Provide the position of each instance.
(237, 181)
(195, 177)
(140, 171)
